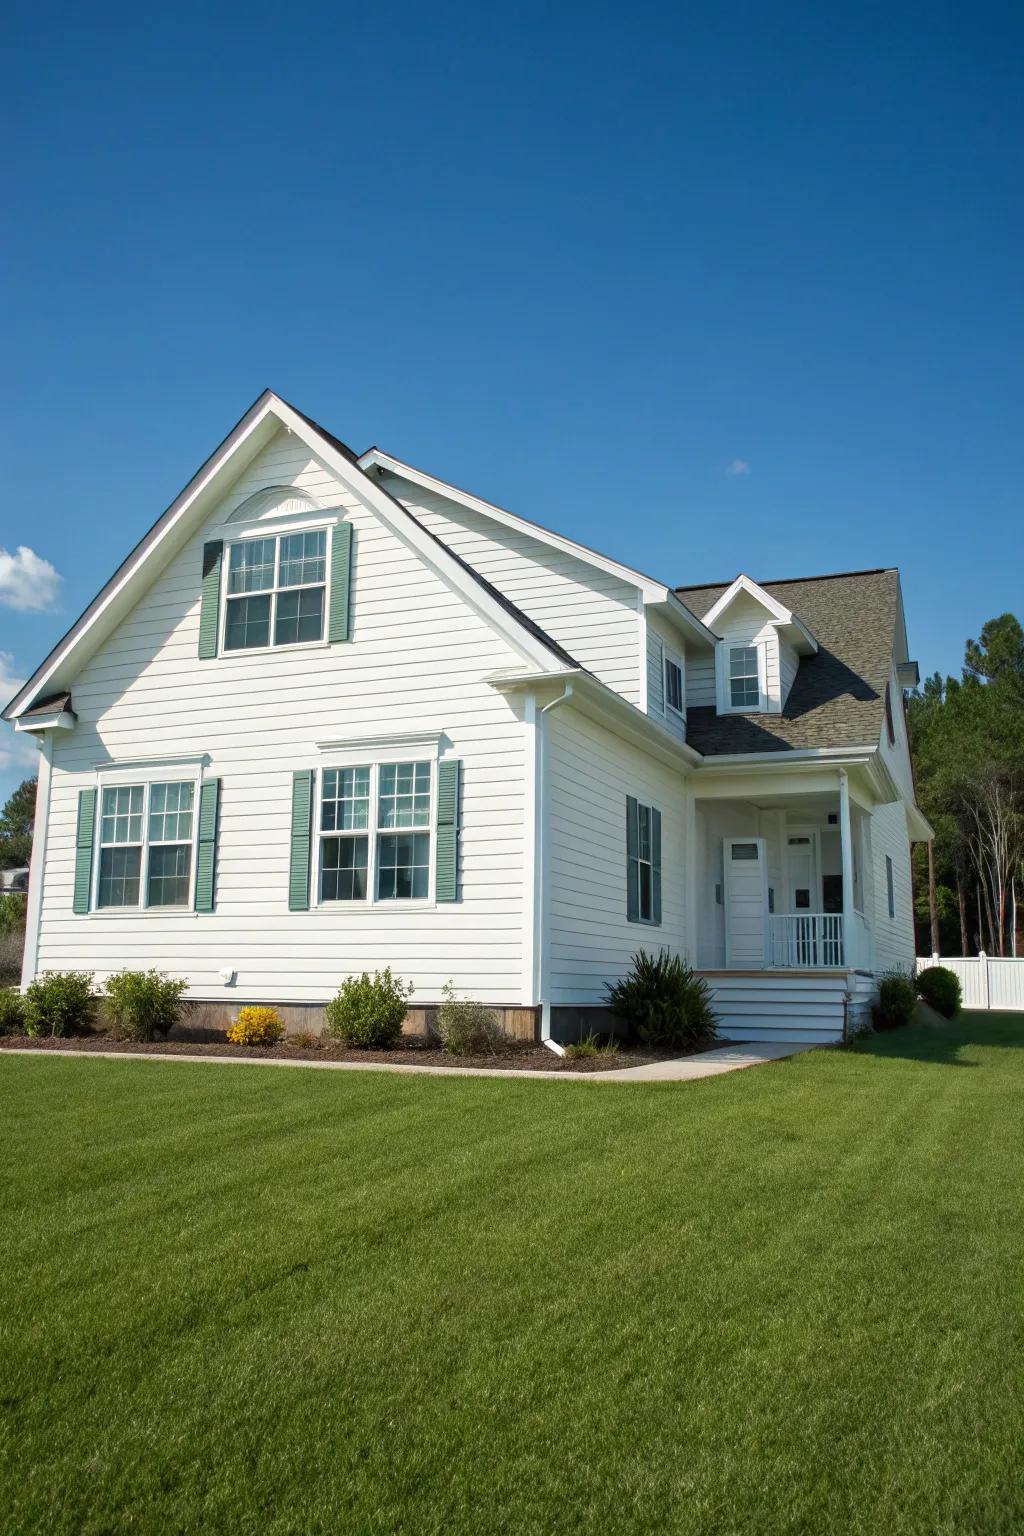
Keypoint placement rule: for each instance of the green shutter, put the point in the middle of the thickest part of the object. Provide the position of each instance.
(446, 881)
(655, 866)
(632, 861)
(206, 852)
(209, 613)
(83, 849)
(302, 809)
(339, 619)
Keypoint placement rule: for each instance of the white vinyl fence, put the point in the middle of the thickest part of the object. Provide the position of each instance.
(986, 983)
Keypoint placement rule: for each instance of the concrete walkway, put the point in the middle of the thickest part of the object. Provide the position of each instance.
(725, 1058)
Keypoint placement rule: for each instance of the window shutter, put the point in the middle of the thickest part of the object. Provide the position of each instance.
(447, 856)
(302, 809)
(206, 852)
(655, 866)
(209, 612)
(339, 619)
(632, 861)
(83, 849)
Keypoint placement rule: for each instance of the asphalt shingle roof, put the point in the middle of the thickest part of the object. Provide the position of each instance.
(838, 696)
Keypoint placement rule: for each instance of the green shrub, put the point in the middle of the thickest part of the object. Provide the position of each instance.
(59, 1003)
(664, 1003)
(144, 1005)
(592, 1045)
(940, 989)
(368, 1011)
(13, 912)
(12, 1012)
(896, 1001)
(466, 1027)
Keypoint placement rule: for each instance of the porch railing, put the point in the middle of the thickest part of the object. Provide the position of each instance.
(811, 940)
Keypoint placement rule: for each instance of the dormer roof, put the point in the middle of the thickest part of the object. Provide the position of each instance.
(790, 626)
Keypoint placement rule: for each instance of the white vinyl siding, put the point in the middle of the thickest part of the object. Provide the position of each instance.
(589, 939)
(415, 664)
(590, 612)
(889, 840)
(665, 645)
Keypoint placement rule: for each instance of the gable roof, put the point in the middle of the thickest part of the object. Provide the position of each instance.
(197, 499)
(780, 616)
(654, 592)
(838, 696)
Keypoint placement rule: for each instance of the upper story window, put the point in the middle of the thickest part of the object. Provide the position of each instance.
(673, 684)
(744, 677)
(376, 825)
(145, 845)
(276, 591)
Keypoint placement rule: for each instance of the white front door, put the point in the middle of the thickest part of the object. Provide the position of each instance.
(802, 885)
(746, 902)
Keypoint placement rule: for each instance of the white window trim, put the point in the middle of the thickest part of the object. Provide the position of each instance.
(722, 655)
(175, 771)
(373, 832)
(668, 657)
(268, 532)
(890, 888)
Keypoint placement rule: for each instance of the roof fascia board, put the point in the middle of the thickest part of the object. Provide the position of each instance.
(677, 610)
(201, 483)
(744, 584)
(653, 591)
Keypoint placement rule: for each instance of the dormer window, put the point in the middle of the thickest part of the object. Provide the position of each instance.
(744, 677)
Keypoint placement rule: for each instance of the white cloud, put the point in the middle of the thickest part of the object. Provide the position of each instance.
(738, 467)
(27, 581)
(17, 752)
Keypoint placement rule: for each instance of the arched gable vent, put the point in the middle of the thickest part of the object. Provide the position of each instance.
(273, 501)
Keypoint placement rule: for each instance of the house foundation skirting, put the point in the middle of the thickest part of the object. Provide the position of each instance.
(209, 1019)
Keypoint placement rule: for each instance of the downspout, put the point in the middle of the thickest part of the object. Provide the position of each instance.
(540, 904)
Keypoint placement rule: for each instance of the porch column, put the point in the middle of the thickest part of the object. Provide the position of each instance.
(846, 843)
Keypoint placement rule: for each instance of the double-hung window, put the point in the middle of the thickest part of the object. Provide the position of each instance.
(376, 826)
(673, 685)
(276, 591)
(744, 677)
(643, 862)
(145, 844)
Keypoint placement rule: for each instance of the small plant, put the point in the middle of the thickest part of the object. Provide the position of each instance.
(12, 1012)
(466, 1027)
(368, 1011)
(256, 1026)
(59, 1003)
(940, 989)
(592, 1045)
(304, 1039)
(896, 1001)
(143, 1005)
(664, 1003)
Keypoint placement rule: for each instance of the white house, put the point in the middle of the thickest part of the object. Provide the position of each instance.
(334, 714)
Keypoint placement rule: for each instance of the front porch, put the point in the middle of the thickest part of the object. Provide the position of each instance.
(783, 882)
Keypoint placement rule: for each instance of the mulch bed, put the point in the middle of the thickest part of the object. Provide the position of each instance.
(522, 1057)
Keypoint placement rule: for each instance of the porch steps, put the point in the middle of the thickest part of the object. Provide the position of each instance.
(787, 1006)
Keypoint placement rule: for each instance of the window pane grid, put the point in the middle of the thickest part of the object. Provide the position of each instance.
(744, 677)
(674, 686)
(289, 574)
(145, 830)
(391, 800)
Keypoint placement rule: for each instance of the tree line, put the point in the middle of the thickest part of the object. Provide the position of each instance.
(967, 743)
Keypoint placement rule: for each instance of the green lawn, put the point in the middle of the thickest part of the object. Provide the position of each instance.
(240, 1299)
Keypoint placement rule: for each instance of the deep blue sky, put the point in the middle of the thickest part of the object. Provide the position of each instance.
(578, 259)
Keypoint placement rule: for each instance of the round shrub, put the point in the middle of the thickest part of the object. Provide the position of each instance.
(368, 1011)
(12, 1012)
(59, 1003)
(143, 1005)
(664, 1003)
(896, 1001)
(256, 1026)
(940, 989)
(466, 1027)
